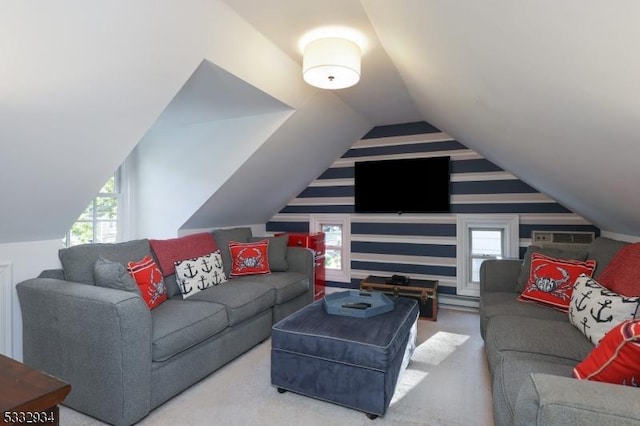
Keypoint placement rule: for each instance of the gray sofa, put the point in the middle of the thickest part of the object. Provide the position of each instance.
(123, 359)
(531, 351)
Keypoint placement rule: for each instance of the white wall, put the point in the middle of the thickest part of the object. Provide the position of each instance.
(177, 170)
(25, 260)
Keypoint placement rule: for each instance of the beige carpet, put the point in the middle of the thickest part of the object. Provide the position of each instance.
(446, 383)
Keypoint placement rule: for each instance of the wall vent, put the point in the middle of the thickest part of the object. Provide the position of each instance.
(562, 240)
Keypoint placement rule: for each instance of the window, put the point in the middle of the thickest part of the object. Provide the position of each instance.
(333, 246)
(99, 222)
(485, 244)
(481, 238)
(337, 231)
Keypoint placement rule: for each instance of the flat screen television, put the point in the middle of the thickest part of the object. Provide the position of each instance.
(413, 185)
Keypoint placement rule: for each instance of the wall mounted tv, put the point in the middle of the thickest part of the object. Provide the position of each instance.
(413, 185)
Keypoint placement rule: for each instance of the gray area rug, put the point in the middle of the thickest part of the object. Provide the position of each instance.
(446, 383)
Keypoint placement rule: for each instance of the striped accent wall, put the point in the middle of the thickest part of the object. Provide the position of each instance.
(422, 246)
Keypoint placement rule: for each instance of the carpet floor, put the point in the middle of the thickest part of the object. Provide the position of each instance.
(446, 383)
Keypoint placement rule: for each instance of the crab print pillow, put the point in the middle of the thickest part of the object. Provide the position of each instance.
(149, 280)
(249, 258)
(551, 280)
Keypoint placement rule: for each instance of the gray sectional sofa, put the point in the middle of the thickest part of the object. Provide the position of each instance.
(123, 359)
(531, 351)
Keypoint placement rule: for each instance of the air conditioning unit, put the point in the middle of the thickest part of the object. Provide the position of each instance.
(562, 240)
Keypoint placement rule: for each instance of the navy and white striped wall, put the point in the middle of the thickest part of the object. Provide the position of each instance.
(422, 246)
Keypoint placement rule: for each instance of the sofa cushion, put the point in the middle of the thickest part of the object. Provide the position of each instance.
(197, 274)
(223, 237)
(243, 297)
(622, 274)
(615, 358)
(113, 275)
(78, 261)
(507, 303)
(149, 280)
(286, 285)
(179, 325)
(523, 277)
(277, 252)
(551, 280)
(602, 250)
(249, 258)
(595, 310)
(556, 340)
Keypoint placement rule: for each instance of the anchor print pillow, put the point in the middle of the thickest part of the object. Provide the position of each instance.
(199, 273)
(551, 280)
(149, 280)
(615, 359)
(595, 310)
(249, 258)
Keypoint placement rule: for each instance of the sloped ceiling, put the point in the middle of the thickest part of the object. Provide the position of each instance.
(82, 84)
(545, 89)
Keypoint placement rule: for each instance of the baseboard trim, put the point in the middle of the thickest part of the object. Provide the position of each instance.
(466, 302)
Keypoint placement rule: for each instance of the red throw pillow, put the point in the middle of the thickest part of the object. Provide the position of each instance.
(149, 280)
(622, 274)
(188, 247)
(551, 280)
(616, 359)
(249, 258)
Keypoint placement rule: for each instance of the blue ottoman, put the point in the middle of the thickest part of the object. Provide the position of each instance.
(354, 362)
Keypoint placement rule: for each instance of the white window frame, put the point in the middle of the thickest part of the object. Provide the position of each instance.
(508, 223)
(119, 195)
(315, 225)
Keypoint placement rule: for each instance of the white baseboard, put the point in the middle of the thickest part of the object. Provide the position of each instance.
(463, 302)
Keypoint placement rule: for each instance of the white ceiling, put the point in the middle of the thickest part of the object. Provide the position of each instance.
(546, 89)
(381, 96)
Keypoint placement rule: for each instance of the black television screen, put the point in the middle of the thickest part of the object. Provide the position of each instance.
(413, 185)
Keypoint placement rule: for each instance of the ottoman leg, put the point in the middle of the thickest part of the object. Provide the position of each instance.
(372, 416)
(280, 390)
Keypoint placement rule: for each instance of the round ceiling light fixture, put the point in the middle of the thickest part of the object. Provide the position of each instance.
(331, 63)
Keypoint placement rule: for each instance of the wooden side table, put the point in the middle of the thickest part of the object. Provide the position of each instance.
(424, 291)
(29, 396)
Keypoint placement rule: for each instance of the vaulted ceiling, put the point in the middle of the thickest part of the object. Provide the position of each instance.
(545, 89)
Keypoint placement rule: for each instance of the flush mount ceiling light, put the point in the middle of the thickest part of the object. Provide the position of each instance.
(331, 63)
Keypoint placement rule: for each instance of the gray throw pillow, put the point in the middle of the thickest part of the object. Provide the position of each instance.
(277, 252)
(78, 261)
(547, 251)
(113, 275)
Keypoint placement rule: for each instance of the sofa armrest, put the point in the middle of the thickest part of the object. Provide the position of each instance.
(96, 339)
(301, 259)
(499, 275)
(554, 400)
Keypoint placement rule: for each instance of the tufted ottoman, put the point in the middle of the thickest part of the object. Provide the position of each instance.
(354, 362)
